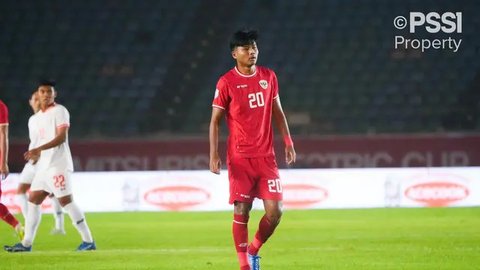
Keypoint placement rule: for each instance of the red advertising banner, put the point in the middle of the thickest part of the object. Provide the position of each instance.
(321, 152)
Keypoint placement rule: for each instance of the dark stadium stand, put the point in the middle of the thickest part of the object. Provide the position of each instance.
(148, 68)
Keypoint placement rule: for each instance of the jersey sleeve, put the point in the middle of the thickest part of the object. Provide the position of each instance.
(221, 99)
(274, 85)
(3, 114)
(62, 118)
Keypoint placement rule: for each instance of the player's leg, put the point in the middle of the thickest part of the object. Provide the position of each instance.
(62, 190)
(31, 223)
(58, 216)
(267, 225)
(269, 189)
(6, 216)
(26, 178)
(241, 215)
(241, 186)
(22, 198)
(78, 220)
(34, 215)
(37, 194)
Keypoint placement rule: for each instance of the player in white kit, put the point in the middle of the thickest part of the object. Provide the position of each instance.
(28, 172)
(54, 170)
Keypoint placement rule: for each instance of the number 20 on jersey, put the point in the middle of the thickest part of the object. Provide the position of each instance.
(256, 100)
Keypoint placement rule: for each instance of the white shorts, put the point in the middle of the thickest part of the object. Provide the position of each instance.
(27, 174)
(53, 180)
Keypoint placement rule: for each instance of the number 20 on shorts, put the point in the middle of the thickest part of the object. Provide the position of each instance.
(274, 186)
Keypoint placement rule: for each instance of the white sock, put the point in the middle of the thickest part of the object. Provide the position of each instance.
(22, 201)
(58, 215)
(34, 215)
(79, 221)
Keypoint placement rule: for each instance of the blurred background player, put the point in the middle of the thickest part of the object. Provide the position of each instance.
(53, 172)
(248, 96)
(28, 172)
(4, 213)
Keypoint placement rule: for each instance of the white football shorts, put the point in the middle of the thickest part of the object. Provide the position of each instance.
(27, 174)
(53, 180)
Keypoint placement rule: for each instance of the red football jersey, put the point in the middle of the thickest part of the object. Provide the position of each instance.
(247, 101)
(3, 113)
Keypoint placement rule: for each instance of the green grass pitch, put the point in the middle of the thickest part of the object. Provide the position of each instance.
(370, 239)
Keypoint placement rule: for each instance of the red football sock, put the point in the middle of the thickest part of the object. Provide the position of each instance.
(242, 259)
(5, 215)
(246, 267)
(240, 238)
(265, 230)
(255, 246)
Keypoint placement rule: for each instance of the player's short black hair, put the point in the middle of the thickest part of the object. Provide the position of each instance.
(242, 38)
(51, 83)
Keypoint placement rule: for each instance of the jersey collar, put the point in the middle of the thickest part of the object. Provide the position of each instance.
(49, 106)
(246, 76)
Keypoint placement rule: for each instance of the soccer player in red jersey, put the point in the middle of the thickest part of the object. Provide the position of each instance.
(4, 213)
(247, 96)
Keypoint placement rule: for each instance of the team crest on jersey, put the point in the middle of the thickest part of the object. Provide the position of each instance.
(263, 84)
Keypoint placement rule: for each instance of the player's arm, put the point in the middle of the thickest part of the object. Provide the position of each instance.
(215, 162)
(281, 122)
(4, 151)
(61, 137)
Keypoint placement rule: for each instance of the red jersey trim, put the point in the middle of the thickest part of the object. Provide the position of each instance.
(220, 107)
(277, 96)
(49, 107)
(63, 125)
(4, 124)
(246, 76)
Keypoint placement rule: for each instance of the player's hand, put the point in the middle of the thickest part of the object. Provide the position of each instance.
(215, 163)
(33, 155)
(4, 171)
(290, 155)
